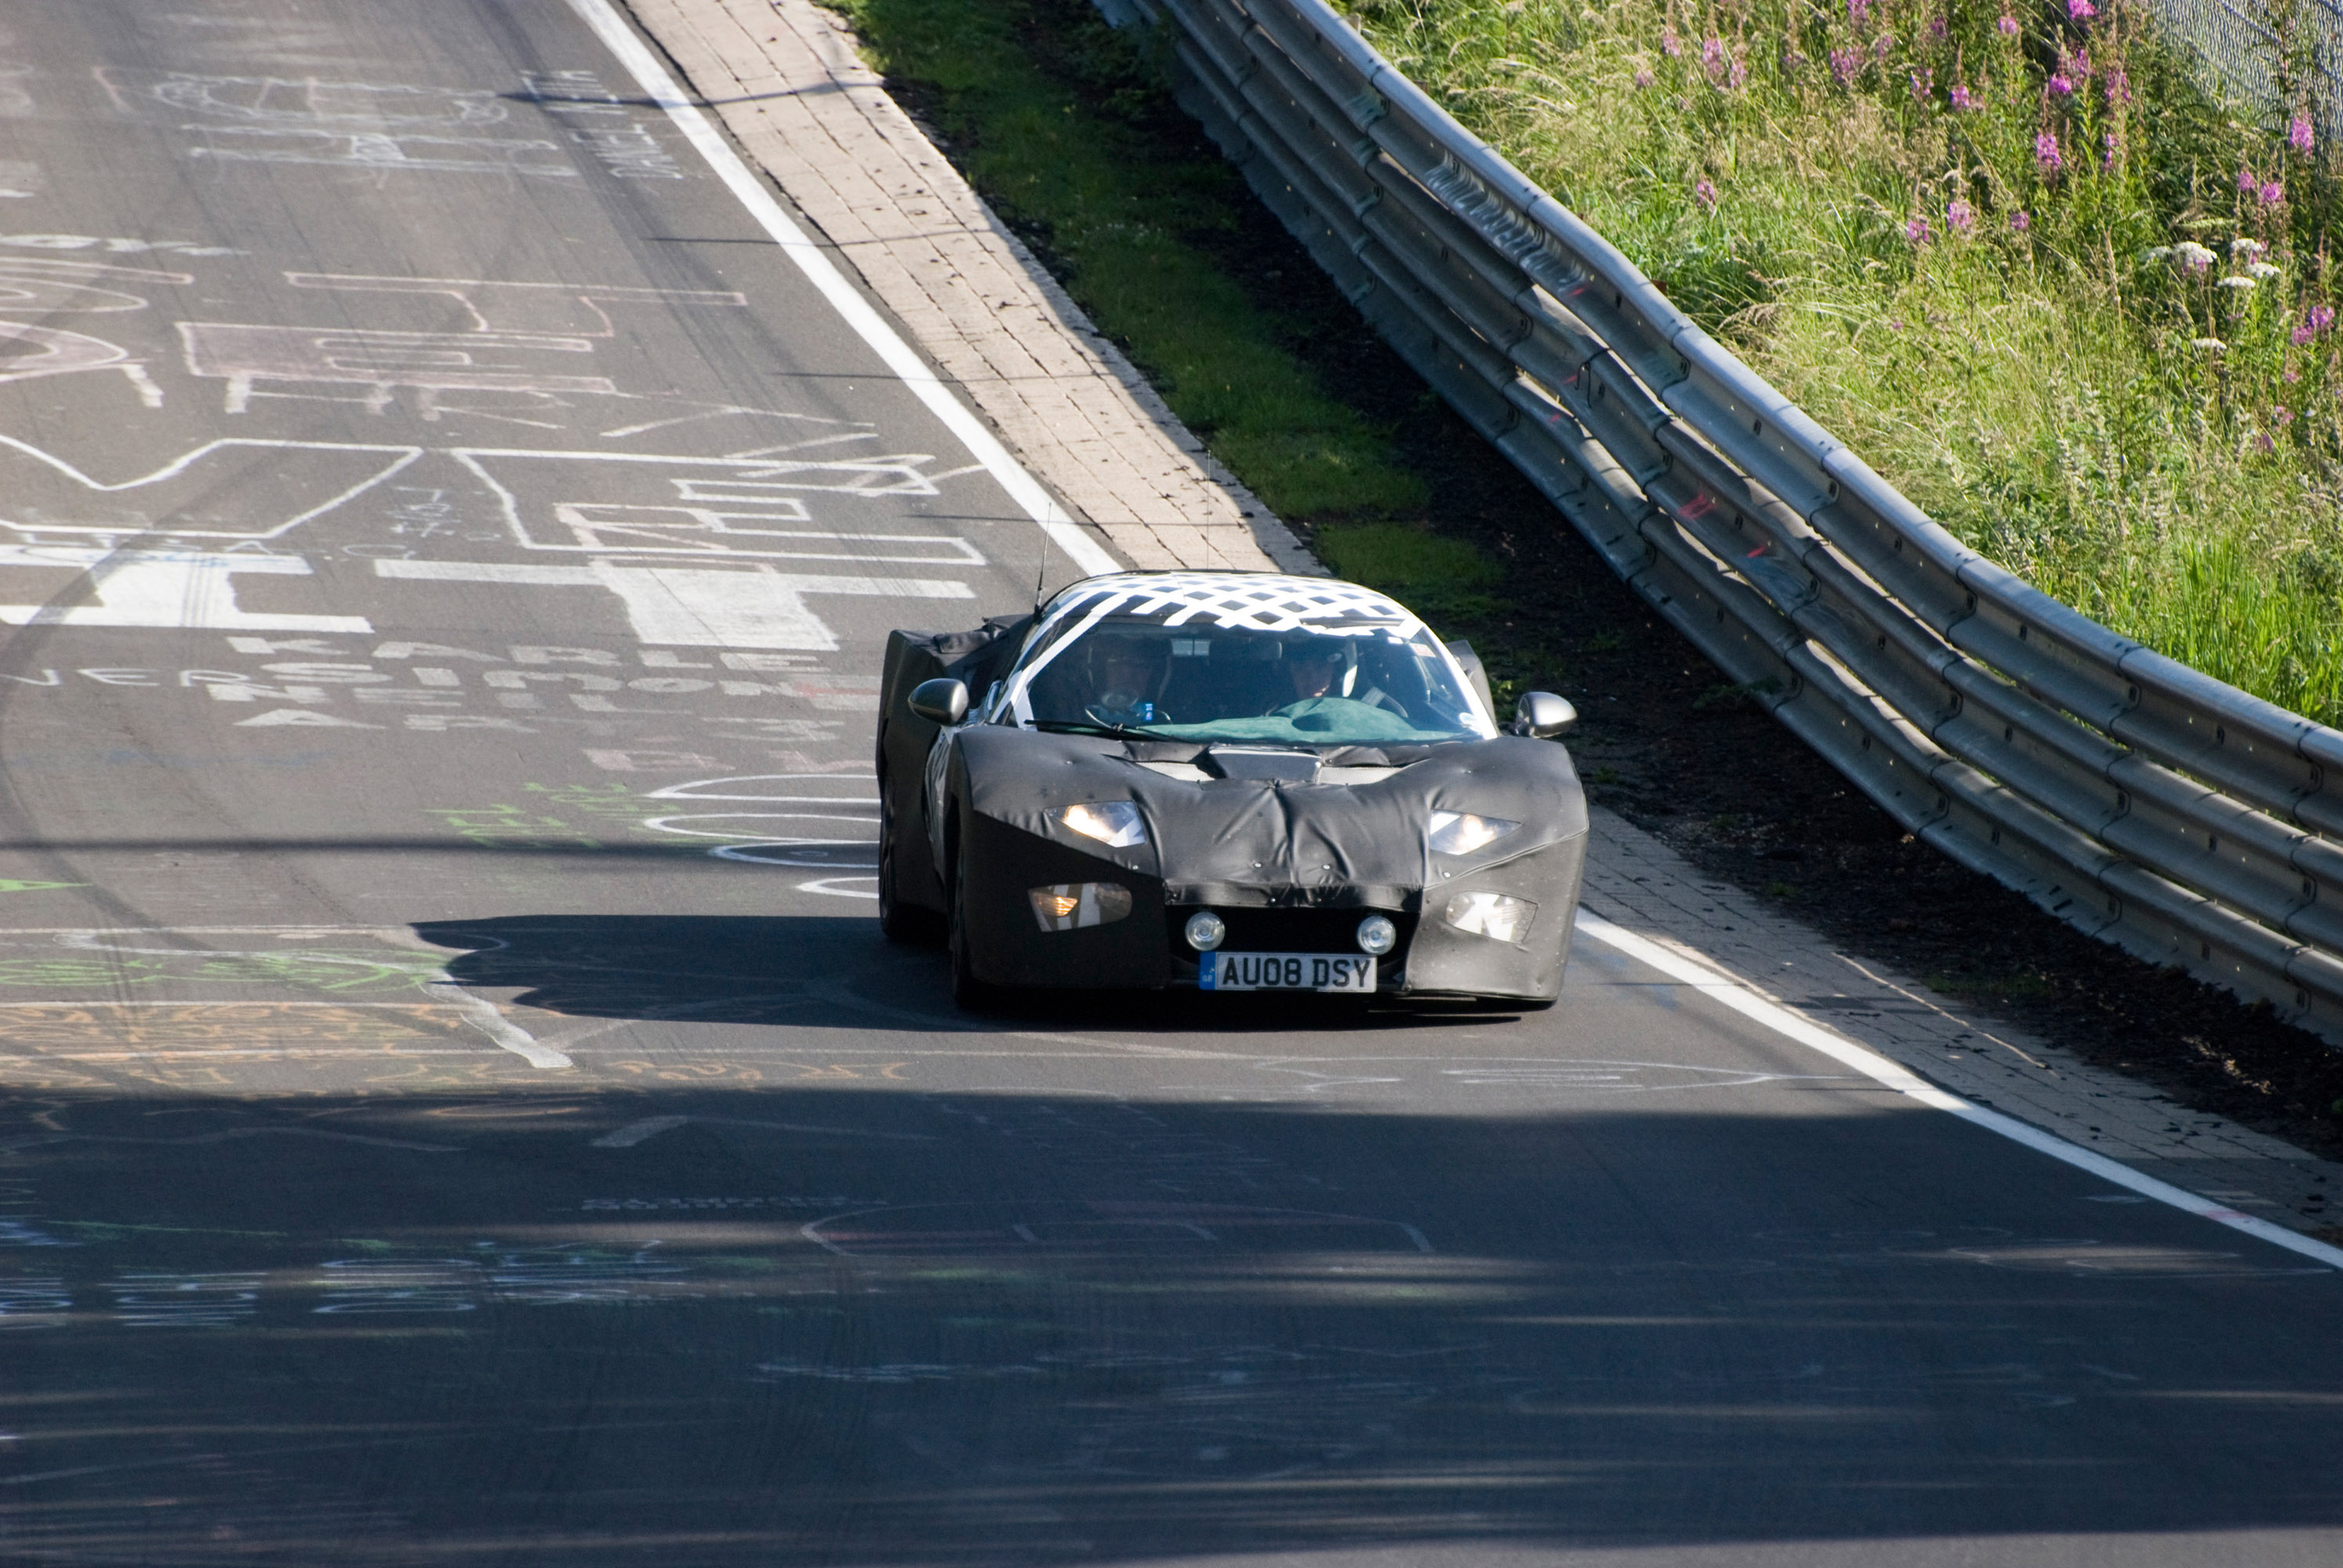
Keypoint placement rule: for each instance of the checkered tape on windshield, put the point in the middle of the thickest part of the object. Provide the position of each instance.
(1251, 601)
(1231, 601)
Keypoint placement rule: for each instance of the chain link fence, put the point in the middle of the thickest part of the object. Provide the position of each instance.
(2239, 46)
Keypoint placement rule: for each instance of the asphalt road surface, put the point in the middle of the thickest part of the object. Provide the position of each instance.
(455, 1104)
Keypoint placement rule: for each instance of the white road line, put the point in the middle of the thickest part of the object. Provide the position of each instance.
(483, 1016)
(635, 1133)
(1745, 999)
(824, 274)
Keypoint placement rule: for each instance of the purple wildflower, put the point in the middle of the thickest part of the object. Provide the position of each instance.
(2061, 85)
(1843, 65)
(1857, 10)
(2320, 318)
(1959, 216)
(1643, 77)
(2298, 133)
(2020, 221)
(1737, 77)
(1916, 230)
(2083, 64)
(2080, 10)
(1712, 57)
(1922, 85)
(2119, 88)
(2008, 26)
(2047, 153)
(2272, 194)
(1938, 27)
(2282, 416)
(1704, 194)
(1670, 42)
(1880, 46)
(2248, 181)
(1962, 99)
(2112, 148)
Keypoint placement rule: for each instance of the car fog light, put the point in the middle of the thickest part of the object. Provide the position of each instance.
(1490, 915)
(1377, 935)
(1206, 931)
(1070, 906)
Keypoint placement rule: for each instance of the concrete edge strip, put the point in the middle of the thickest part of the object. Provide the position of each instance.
(1036, 502)
(1271, 532)
(1739, 995)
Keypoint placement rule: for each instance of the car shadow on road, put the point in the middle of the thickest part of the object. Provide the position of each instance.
(838, 972)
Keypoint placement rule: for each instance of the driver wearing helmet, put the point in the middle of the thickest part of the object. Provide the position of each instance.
(1127, 674)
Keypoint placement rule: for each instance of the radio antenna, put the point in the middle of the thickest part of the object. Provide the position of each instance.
(1040, 572)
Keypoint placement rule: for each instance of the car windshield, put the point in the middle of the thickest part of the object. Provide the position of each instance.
(1353, 683)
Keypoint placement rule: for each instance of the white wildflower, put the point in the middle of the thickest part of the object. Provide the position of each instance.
(2161, 252)
(2235, 283)
(2192, 256)
(2247, 248)
(2263, 270)
(2207, 343)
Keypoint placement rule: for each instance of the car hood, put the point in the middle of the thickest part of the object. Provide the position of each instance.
(1352, 834)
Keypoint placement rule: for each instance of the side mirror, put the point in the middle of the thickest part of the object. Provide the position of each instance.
(945, 701)
(1540, 716)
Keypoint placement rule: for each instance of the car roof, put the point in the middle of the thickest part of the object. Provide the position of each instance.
(1231, 601)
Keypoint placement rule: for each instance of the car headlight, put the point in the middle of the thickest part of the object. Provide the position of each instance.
(1461, 832)
(1115, 823)
(1491, 915)
(1377, 936)
(1070, 906)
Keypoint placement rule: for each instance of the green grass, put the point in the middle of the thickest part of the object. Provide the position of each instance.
(1433, 575)
(2016, 345)
(1058, 120)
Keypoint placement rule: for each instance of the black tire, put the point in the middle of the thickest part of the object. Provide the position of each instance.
(970, 994)
(909, 924)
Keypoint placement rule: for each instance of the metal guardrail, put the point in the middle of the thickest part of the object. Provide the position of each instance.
(2127, 793)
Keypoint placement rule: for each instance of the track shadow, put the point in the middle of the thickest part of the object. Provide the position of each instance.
(848, 1325)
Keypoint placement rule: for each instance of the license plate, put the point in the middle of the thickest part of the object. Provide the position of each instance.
(1286, 971)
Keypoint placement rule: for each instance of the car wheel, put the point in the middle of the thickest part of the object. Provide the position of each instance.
(968, 993)
(898, 922)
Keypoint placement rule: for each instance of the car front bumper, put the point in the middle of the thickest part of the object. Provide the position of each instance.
(1146, 950)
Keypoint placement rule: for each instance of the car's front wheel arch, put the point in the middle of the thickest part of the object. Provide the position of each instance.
(968, 991)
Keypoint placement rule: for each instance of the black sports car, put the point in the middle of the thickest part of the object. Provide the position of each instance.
(1231, 780)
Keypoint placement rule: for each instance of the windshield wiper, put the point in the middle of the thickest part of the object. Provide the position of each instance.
(1085, 727)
